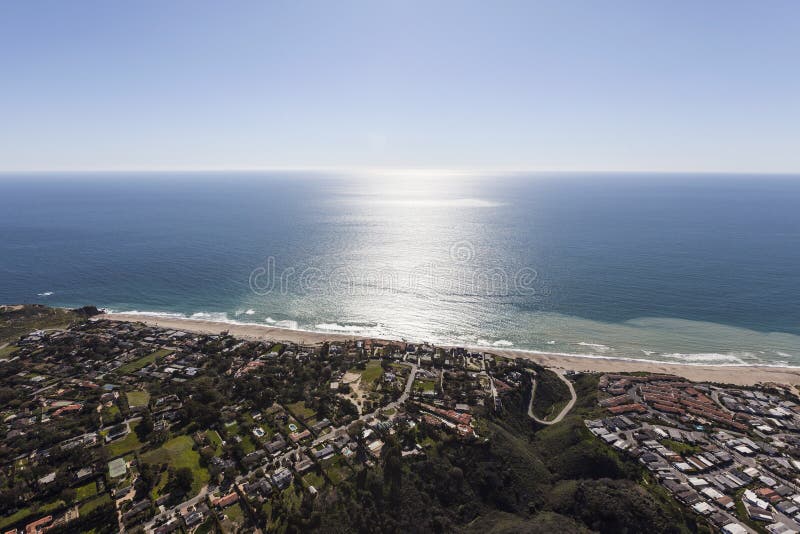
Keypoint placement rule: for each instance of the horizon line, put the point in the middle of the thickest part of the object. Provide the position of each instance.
(442, 171)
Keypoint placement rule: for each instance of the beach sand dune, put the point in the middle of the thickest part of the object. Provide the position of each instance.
(728, 374)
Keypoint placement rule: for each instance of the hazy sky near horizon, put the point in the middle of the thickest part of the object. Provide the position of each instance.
(528, 85)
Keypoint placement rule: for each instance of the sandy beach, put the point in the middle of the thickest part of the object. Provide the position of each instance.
(729, 374)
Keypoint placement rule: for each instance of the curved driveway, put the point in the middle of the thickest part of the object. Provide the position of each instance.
(567, 408)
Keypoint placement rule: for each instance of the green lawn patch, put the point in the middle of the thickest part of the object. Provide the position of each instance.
(683, 449)
(234, 513)
(5, 352)
(372, 373)
(138, 398)
(132, 367)
(300, 411)
(337, 469)
(421, 386)
(215, 440)
(313, 479)
(110, 413)
(86, 491)
(248, 445)
(16, 516)
(21, 514)
(125, 445)
(178, 453)
(97, 502)
(155, 493)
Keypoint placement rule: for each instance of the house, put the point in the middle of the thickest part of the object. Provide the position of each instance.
(282, 478)
(195, 518)
(734, 528)
(226, 500)
(325, 452)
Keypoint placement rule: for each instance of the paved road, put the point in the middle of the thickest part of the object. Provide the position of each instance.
(150, 526)
(567, 408)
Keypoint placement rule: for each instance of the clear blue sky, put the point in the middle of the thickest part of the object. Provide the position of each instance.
(639, 85)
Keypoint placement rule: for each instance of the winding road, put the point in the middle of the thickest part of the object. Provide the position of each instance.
(567, 408)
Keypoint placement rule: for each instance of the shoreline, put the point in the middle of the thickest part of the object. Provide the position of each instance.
(743, 375)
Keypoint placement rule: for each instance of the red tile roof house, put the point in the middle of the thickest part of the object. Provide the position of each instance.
(227, 500)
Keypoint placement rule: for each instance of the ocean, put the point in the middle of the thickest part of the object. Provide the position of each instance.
(679, 268)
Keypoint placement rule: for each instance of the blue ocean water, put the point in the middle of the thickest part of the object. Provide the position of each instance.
(690, 268)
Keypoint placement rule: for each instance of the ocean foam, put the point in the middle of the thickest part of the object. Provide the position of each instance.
(220, 317)
(336, 327)
(595, 346)
(502, 343)
(710, 357)
(45, 294)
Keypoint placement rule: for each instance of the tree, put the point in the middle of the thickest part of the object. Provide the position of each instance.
(184, 479)
(145, 426)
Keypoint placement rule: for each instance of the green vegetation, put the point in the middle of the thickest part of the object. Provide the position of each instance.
(125, 445)
(16, 321)
(215, 440)
(337, 469)
(6, 352)
(138, 399)
(551, 394)
(86, 491)
(29, 511)
(111, 414)
(234, 513)
(313, 479)
(132, 367)
(373, 373)
(300, 411)
(423, 385)
(89, 506)
(178, 453)
(683, 449)
(524, 478)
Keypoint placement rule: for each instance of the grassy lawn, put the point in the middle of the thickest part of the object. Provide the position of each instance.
(683, 449)
(125, 445)
(5, 352)
(110, 414)
(215, 440)
(30, 511)
(17, 516)
(155, 493)
(313, 479)
(235, 513)
(86, 491)
(372, 373)
(132, 367)
(424, 385)
(300, 411)
(138, 398)
(248, 445)
(87, 507)
(178, 453)
(337, 469)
